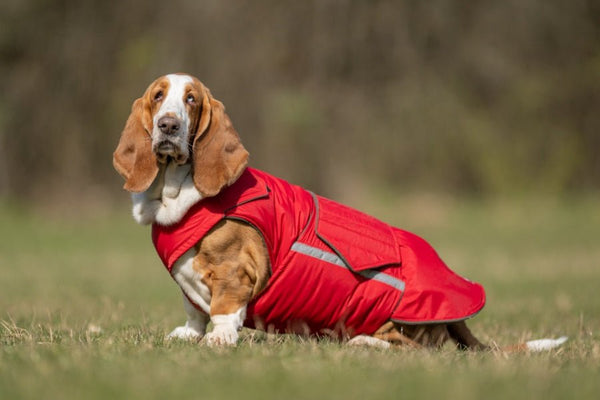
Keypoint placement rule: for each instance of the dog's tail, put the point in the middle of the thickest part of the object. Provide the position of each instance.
(537, 345)
(460, 333)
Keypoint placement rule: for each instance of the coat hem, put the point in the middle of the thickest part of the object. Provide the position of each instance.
(437, 321)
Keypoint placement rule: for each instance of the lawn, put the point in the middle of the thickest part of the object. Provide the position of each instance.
(85, 305)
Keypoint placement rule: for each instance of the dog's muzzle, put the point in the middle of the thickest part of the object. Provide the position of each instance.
(166, 150)
(167, 140)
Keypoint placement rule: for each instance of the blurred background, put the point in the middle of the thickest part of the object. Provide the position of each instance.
(472, 123)
(483, 98)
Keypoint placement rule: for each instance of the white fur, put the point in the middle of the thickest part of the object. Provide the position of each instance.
(195, 326)
(545, 344)
(226, 327)
(364, 340)
(190, 281)
(174, 105)
(168, 198)
(192, 287)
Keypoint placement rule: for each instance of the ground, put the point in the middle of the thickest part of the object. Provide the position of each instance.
(85, 305)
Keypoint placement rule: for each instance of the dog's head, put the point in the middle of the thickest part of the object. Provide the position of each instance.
(178, 121)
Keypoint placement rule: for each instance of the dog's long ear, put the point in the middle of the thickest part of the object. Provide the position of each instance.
(134, 158)
(219, 157)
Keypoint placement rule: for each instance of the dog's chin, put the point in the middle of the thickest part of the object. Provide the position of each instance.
(167, 152)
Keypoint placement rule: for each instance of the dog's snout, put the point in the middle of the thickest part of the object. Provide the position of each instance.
(169, 125)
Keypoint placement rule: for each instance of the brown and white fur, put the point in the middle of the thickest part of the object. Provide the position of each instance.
(178, 147)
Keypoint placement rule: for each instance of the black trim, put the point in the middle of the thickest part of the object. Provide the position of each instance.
(441, 321)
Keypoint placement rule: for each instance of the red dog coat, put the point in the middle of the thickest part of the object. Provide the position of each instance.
(334, 270)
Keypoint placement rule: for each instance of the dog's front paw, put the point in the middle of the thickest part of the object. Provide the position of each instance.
(144, 209)
(222, 336)
(185, 333)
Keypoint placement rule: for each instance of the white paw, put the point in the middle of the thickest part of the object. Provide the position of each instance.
(144, 209)
(171, 191)
(222, 336)
(364, 340)
(185, 333)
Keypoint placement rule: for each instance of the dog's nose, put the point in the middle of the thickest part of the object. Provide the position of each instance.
(168, 125)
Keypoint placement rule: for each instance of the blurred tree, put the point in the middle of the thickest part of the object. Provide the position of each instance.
(467, 96)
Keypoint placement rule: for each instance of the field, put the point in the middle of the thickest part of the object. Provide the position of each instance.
(85, 306)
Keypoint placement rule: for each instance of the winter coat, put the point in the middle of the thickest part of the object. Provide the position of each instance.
(334, 270)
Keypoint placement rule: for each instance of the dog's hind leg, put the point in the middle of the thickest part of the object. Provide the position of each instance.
(393, 333)
(465, 340)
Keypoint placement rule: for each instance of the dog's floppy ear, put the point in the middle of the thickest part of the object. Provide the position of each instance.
(219, 157)
(134, 158)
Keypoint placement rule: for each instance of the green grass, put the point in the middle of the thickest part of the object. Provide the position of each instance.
(85, 305)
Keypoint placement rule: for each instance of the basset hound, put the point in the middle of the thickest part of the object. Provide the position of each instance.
(249, 249)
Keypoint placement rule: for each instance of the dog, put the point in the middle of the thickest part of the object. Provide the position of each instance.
(249, 249)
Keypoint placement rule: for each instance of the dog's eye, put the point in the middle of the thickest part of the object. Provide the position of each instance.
(190, 99)
(158, 96)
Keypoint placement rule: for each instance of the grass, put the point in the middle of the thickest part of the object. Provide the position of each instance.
(85, 305)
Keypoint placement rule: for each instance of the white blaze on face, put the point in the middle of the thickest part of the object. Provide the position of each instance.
(174, 105)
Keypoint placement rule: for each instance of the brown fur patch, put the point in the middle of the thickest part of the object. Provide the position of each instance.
(234, 263)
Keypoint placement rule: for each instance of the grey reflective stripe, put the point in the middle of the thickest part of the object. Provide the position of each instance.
(334, 259)
(318, 253)
(383, 278)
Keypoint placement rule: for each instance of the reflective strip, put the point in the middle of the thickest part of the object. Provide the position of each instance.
(334, 259)
(318, 253)
(383, 278)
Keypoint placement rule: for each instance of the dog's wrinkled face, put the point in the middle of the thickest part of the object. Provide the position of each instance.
(175, 108)
(178, 121)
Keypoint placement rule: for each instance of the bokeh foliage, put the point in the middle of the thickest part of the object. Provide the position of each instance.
(482, 97)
